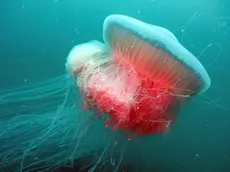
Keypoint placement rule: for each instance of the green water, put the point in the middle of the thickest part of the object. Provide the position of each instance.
(37, 35)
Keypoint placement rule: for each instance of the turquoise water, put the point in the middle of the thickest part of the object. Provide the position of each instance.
(37, 35)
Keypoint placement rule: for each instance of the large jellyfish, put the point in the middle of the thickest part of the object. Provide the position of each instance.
(136, 83)
(147, 79)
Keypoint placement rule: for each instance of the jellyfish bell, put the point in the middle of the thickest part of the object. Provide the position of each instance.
(147, 80)
(82, 55)
(157, 49)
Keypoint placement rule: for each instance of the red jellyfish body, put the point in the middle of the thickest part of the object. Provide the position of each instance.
(145, 81)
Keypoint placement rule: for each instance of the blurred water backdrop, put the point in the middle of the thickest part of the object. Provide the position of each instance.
(42, 125)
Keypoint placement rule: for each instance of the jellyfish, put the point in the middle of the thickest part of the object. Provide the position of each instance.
(146, 80)
(134, 84)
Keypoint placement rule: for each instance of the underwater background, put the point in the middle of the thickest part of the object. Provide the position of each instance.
(37, 35)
